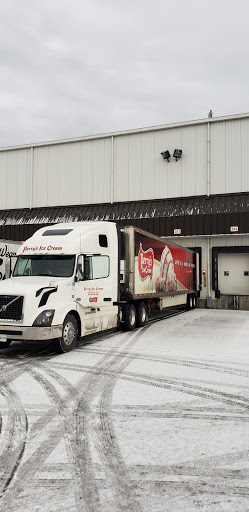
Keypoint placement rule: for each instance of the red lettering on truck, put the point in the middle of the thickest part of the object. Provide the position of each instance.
(145, 263)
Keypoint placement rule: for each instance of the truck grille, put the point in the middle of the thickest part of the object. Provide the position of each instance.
(13, 311)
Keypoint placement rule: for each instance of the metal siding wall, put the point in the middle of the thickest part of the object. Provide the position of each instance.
(23, 178)
(168, 175)
(40, 177)
(230, 156)
(73, 173)
(64, 174)
(218, 157)
(75, 155)
(245, 155)
(4, 199)
(194, 160)
(121, 165)
(147, 186)
(53, 175)
(233, 157)
(80, 172)
(87, 172)
(101, 172)
(15, 178)
(135, 167)
(11, 179)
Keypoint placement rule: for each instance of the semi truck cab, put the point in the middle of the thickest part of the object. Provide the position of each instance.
(65, 284)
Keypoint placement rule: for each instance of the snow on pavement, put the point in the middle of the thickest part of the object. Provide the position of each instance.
(151, 420)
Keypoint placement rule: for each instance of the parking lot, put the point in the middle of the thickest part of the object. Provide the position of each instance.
(151, 420)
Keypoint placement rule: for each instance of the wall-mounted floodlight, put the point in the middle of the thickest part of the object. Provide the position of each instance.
(177, 154)
(166, 155)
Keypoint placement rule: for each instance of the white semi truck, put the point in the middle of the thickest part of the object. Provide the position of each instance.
(75, 279)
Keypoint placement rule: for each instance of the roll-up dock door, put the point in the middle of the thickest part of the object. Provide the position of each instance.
(233, 273)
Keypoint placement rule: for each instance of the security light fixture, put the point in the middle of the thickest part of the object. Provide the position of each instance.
(166, 155)
(177, 154)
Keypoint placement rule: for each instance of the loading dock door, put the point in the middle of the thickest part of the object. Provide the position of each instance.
(233, 273)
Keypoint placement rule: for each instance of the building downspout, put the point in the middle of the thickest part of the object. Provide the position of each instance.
(112, 173)
(209, 299)
(208, 159)
(31, 177)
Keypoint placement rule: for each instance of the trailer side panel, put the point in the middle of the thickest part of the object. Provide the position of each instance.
(162, 268)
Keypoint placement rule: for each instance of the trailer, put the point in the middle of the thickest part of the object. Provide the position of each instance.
(156, 275)
(8, 249)
(71, 280)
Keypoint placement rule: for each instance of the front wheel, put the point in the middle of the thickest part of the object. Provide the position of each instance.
(69, 335)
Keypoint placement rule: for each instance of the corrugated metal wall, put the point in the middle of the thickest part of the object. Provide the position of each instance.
(73, 173)
(230, 156)
(128, 166)
(15, 178)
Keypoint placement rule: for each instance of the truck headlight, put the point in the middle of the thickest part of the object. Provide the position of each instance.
(44, 319)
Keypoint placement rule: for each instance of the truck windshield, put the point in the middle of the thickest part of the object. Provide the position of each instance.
(56, 266)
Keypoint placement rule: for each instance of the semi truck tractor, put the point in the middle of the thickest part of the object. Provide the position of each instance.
(71, 280)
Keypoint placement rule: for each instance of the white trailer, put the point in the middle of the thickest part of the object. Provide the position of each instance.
(75, 279)
(8, 249)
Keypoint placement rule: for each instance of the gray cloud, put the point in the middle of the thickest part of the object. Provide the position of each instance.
(80, 67)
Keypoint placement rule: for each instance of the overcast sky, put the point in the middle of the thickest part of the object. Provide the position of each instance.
(83, 67)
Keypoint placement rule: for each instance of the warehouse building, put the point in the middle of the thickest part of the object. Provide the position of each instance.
(188, 181)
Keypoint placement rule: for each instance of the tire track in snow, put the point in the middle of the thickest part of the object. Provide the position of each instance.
(107, 447)
(179, 362)
(12, 449)
(62, 411)
(111, 376)
(28, 468)
(174, 384)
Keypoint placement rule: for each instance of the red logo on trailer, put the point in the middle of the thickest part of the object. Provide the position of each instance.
(145, 263)
(93, 299)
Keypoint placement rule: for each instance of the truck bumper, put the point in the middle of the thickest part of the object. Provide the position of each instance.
(31, 333)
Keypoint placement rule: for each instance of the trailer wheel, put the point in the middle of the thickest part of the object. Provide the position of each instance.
(4, 344)
(141, 315)
(189, 302)
(69, 335)
(130, 317)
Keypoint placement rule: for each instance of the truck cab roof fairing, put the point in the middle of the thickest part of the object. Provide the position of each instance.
(80, 237)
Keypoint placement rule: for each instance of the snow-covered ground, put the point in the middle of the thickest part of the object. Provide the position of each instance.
(152, 420)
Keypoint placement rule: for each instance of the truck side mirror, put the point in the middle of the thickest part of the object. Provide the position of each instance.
(7, 268)
(79, 276)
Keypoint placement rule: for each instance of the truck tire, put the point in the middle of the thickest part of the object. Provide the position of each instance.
(69, 335)
(4, 344)
(130, 319)
(189, 302)
(141, 314)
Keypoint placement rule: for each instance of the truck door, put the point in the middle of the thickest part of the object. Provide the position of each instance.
(94, 285)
